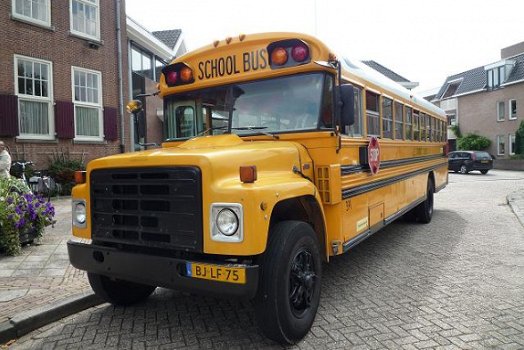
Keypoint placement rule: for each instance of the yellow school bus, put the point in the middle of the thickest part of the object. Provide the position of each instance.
(278, 155)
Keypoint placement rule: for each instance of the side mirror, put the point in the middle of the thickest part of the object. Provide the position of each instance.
(135, 108)
(346, 105)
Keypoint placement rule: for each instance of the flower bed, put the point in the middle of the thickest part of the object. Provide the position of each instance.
(23, 215)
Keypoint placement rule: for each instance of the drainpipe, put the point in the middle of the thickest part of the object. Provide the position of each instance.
(120, 75)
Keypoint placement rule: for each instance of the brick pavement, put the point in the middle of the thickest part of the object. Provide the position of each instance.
(41, 275)
(455, 283)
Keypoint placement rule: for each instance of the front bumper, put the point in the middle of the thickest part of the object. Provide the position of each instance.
(154, 270)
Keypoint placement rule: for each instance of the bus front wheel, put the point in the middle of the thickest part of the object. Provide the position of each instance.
(289, 289)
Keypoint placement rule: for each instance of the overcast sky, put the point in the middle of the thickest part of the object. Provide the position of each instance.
(424, 41)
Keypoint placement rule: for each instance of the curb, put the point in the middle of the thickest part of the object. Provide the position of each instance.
(512, 199)
(26, 322)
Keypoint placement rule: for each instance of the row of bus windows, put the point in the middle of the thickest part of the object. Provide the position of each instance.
(393, 120)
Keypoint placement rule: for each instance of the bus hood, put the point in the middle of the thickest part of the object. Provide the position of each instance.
(218, 156)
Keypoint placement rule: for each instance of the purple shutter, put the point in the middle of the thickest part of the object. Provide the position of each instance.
(8, 115)
(110, 124)
(64, 119)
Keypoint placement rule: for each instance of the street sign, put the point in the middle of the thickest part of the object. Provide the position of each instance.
(374, 155)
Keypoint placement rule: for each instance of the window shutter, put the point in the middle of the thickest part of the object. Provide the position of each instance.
(110, 124)
(9, 115)
(64, 120)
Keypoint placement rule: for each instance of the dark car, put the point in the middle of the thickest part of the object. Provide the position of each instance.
(466, 161)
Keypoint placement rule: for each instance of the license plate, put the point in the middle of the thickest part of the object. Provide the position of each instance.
(483, 161)
(216, 273)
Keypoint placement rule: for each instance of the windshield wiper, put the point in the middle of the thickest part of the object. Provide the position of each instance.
(211, 129)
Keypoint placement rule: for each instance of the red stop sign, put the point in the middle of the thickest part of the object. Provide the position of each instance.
(374, 155)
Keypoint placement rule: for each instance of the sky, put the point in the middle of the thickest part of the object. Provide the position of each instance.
(424, 41)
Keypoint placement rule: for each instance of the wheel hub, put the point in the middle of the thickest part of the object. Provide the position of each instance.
(302, 282)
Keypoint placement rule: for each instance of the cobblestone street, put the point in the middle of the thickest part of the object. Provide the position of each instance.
(455, 283)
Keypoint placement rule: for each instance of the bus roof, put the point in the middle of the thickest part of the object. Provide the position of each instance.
(368, 74)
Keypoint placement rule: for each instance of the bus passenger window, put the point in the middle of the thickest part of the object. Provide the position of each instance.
(409, 123)
(387, 118)
(416, 130)
(399, 121)
(372, 114)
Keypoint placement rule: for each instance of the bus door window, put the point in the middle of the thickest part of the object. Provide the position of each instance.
(180, 120)
(372, 114)
(356, 129)
(387, 118)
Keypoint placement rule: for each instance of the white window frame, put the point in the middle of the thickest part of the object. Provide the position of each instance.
(499, 137)
(499, 118)
(98, 105)
(510, 116)
(25, 18)
(83, 34)
(510, 138)
(25, 97)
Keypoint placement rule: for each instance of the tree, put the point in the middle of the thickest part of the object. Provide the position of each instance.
(473, 142)
(519, 139)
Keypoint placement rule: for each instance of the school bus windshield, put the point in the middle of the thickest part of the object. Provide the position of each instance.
(285, 104)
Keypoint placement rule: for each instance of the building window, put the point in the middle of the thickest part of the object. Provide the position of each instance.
(387, 118)
(85, 18)
(87, 97)
(500, 111)
(452, 119)
(511, 144)
(372, 113)
(399, 121)
(496, 77)
(512, 113)
(159, 64)
(142, 63)
(501, 145)
(37, 11)
(33, 79)
(451, 88)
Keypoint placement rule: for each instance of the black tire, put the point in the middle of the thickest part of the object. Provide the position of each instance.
(424, 211)
(464, 169)
(118, 292)
(289, 290)
(484, 172)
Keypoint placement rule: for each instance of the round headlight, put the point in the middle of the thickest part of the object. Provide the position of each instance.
(227, 222)
(80, 213)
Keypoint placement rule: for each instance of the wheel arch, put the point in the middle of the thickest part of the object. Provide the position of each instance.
(304, 208)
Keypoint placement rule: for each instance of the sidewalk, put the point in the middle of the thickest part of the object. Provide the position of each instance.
(40, 286)
(41, 278)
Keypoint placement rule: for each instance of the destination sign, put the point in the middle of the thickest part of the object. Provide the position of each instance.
(233, 64)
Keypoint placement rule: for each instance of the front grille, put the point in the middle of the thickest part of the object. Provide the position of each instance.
(149, 207)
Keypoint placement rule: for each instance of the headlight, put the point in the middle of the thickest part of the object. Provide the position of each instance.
(79, 214)
(226, 222)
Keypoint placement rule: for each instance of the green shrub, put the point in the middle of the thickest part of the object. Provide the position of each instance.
(519, 139)
(62, 170)
(473, 142)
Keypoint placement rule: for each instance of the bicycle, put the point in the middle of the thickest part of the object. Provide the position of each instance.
(43, 185)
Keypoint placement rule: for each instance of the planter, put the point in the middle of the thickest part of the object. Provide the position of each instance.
(28, 236)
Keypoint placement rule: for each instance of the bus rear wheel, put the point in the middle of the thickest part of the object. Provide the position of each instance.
(119, 292)
(289, 289)
(424, 211)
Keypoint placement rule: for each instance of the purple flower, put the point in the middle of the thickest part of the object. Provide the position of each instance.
(9, 200)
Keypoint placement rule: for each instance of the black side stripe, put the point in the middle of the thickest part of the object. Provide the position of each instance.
(352, 169)
(355, 191)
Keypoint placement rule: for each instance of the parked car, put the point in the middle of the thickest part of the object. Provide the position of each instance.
(466, 161)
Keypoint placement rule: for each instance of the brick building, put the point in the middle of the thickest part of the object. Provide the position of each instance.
(485, 101)
(59, 78)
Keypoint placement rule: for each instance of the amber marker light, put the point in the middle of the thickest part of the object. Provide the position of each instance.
(80, 177)
(248, 174)
(186, 74)
(133, 106)
(279, 56)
